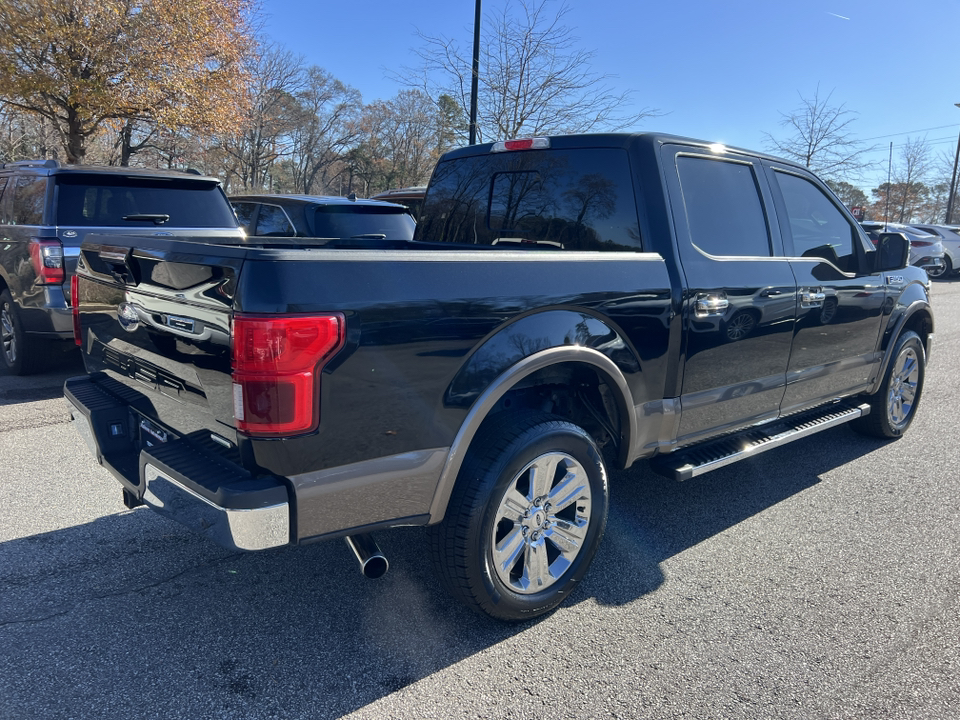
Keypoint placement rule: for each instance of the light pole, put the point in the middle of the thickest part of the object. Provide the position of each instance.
(476, 76)
(953, 181)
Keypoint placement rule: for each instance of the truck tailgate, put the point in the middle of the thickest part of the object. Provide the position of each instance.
(157, 322)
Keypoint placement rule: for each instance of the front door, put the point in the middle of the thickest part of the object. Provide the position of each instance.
(841, 304)
(741, 296)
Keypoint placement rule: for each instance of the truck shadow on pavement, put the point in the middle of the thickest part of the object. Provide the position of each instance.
(131, 615)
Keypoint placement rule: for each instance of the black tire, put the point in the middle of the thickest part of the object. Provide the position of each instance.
(17, 350)
(944, 272)
(496, 497)
(894, 405)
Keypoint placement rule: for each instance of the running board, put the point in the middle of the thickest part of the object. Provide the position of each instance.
(699, 459)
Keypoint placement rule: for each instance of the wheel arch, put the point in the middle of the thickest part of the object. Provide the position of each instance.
(568, 358)
(918, 317)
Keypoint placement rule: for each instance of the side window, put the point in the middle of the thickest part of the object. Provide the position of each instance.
(29, 199)
(273, 221)
(723, 207)
(818, 228)
(244, 212)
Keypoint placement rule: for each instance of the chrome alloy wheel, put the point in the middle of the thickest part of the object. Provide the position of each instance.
(903, 386)
(541, 523)
(8, 335)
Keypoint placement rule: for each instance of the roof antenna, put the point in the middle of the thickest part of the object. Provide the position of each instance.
(352, 197)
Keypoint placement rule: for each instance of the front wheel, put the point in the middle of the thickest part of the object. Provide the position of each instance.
(942, 271)
(894, 405)
(525, 518)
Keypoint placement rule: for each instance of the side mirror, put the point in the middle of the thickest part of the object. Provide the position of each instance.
(893, 252)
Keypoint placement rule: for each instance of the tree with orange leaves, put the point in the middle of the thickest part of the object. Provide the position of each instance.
(81, 63)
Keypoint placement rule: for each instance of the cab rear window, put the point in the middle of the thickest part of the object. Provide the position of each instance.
(98, 201)
(577, 199)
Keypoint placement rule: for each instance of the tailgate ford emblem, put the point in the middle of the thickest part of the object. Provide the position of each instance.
(128, 317)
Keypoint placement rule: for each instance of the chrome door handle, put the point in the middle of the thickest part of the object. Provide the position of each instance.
(711, 304)
(812, 299)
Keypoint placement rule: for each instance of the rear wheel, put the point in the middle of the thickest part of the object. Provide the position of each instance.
(525, 518)
(894, 405)
(16, 349)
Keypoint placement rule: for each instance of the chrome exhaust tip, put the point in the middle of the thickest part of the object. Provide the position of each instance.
(373, 563)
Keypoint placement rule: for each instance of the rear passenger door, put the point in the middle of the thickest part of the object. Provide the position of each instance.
(740, 302)
(841, 302)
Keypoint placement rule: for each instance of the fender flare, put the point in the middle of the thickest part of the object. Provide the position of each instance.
(503, 384)
(911, 310)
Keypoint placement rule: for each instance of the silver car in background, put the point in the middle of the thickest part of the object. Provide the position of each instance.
(926, 250)
(950, 239)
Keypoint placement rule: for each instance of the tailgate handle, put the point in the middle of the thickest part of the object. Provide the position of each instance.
(117, 260)
(114, 256)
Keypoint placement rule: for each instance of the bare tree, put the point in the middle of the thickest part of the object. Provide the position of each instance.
(325, 128)
(534, 79)
(25, 135)
(820, 138)
(942, 174)
(910, 174)
(400, 141)
(277, 76)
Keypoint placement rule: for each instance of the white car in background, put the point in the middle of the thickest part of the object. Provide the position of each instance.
(926, 250)
(950, 240)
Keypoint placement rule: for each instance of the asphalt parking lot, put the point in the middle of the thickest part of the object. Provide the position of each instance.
(821, 580)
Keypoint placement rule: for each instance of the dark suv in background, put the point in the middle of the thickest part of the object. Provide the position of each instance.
(337, 220)
(46, 209)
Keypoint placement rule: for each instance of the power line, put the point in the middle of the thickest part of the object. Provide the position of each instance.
(909, 132)
(930, 143)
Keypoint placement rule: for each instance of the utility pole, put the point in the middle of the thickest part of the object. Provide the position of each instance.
(476, 76)
(886, 210)
(953, 181)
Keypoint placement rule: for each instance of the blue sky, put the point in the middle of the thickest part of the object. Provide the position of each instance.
(720, 71)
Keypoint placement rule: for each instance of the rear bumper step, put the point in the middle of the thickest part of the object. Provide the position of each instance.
(179, 478)
(691, 462)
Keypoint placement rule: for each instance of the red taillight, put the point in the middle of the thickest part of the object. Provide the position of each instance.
(47, 259)
(75, 306)
(920, 243)
(276, 370)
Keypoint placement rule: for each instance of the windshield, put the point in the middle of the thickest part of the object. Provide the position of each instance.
(129, 202)
(344, 222)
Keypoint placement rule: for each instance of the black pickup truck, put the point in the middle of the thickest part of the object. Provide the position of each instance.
(567, 304)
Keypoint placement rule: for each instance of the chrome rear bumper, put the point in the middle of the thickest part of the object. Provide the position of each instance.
(245, 529)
